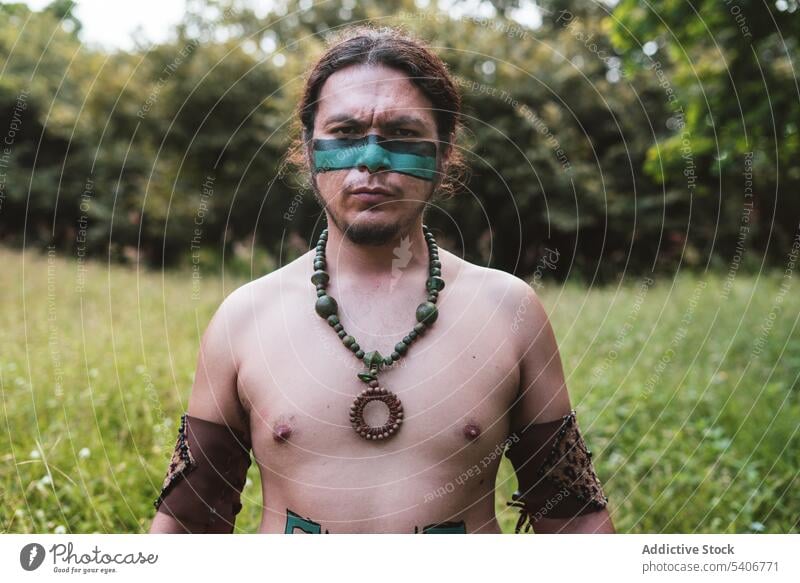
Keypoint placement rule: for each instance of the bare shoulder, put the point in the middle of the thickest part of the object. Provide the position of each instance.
(226, 337)
(227, 342)
(512, 301)
(503, 289)
(252, 299)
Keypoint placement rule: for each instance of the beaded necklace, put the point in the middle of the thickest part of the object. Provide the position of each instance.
(426, 315)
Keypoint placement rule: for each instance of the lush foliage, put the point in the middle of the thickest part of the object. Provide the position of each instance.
(173, 153)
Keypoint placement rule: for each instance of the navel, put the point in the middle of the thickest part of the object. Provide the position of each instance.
(472, 431)
(282, 432)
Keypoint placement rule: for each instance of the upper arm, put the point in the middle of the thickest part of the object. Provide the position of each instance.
(214, 395)
(542, 400)
(543, 394)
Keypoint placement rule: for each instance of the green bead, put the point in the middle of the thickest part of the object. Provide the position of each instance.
(373, 358)
(427, 313)
(355, 347)
(401, 347)
(435, 283)
(366, 377)
(407, 340)
(413, 334)
(342, 333)
(388, 360)
(347, 340)
(436, 271)
(333, 320)
(320, 277)
(319, 265)
(326, 306)
(419, 328)
(359, 354)
(436, 263)
(338, 327)
(395, 355)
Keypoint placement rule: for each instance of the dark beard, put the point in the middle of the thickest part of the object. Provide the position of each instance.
(368, 234)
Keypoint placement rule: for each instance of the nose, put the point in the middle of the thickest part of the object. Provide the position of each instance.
(373, 157)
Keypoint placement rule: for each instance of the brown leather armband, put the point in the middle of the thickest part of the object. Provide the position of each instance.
(206, 476)
(555, 473)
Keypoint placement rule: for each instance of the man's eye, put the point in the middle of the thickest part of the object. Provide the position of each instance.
(405, 133)
(344, 130)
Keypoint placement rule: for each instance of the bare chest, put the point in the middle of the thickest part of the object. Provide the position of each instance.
(298, 381)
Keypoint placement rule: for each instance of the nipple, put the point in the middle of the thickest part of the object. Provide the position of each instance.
(281, 433)
(471, 431)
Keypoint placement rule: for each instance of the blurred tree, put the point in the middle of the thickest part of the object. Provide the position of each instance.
(731, 66)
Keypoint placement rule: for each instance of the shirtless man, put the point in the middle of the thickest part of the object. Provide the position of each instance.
(274, 374)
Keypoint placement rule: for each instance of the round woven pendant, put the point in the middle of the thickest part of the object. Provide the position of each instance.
(393, 404)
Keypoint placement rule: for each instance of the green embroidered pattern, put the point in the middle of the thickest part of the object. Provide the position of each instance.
(297, 524)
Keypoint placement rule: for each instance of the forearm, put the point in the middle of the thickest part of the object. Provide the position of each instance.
(592, 523)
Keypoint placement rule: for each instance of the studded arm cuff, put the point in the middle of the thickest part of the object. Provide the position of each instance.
(555, 473)
(206, 476)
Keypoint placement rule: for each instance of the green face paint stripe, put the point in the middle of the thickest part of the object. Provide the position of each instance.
(417, 147)
(419, 166)
(374, 152)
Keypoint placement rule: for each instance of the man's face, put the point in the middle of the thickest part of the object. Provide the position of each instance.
(382, 105)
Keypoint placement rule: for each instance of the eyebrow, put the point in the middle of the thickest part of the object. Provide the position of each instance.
(405, 120)
(400, 120)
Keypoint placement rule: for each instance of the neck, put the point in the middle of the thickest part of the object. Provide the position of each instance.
(407, 251)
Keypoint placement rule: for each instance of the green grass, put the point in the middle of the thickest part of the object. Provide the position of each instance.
(93, 384)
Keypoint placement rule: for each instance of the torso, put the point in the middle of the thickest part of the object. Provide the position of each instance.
(295, 375)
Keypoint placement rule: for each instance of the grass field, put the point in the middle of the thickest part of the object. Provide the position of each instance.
(686, 389)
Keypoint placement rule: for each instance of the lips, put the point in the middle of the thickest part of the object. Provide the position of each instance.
(376, 191)
(371, 194)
